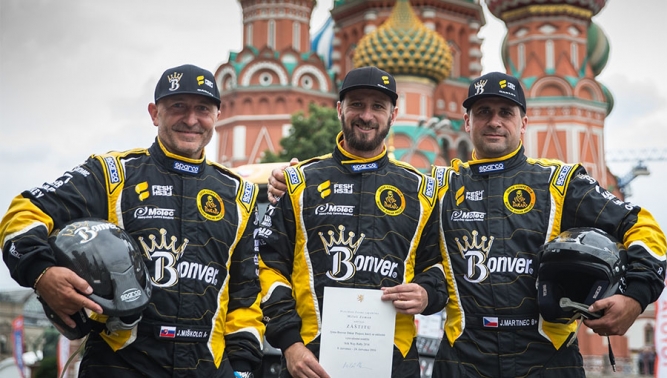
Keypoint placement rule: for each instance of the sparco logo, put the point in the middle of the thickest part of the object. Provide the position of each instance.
(430, 187)
(130, 295)
(113, 169)
(187, 168)
(293, 175)
(331, 209)
(491, 167)
(440, 175)
(563, 175)
(247, 193)
(467, 216)
(364, 167)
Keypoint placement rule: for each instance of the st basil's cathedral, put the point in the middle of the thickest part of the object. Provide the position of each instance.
(433, 50)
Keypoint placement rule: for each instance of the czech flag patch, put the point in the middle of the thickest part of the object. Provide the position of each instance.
(490, 322)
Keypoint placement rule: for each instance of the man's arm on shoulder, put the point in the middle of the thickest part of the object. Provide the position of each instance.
(276, 185)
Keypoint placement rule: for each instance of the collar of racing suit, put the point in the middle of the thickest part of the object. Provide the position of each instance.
(176, 163)
(357, 164)
(498, 165)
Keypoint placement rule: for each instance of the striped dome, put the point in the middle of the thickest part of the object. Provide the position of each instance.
(507, 9)
(403, 45)
(597, 49)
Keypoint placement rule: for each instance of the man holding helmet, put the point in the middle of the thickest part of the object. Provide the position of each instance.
(109, 260)
(493, 325)
(191, 219)
(579, 267)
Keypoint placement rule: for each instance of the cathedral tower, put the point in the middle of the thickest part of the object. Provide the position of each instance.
(556, 51)
(274, 76)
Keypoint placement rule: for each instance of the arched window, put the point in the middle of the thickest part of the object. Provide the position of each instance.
(521, 51)
(296, 36)
(444, 150)
(550, 56)
(574, 55)
(248, 35)
(271, 35)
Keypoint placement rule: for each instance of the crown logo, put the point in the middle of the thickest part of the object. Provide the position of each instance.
(341, 241)
(479, 87)
(474, 245)
(173, 80)
(163, 246)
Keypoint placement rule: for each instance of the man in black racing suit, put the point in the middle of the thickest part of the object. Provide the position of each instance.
(192, 221)
(496, 212)
(351, 219)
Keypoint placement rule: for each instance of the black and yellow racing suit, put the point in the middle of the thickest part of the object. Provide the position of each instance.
(192, 222)
(348, 222)
(495, 215)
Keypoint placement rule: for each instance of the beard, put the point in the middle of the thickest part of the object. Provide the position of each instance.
(363, 142)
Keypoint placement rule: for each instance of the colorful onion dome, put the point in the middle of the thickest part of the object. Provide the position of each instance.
(403, 45)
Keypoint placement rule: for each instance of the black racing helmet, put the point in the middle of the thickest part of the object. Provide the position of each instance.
(109, 259)
(577, 268)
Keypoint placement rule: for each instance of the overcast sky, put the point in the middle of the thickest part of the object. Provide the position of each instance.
(76, 77)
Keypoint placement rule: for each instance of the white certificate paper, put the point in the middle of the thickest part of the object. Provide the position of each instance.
(357, 338)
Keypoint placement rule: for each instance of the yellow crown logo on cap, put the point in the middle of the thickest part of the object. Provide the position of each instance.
(176, 76)
(174, 79)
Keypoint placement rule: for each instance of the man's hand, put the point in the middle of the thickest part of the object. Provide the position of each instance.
(619, 314)
(276, 186)
(407, 298)
(302, 363)
(65, 292)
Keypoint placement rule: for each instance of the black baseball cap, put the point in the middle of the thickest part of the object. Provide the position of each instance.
(495, 84)
(372, 78)
(187, 79)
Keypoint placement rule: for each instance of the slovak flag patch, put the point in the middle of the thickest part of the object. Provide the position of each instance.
(168, 332)
(490, 322)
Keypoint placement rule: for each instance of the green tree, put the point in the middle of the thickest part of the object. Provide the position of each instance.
(50, 335)
(48, 368)
(310, 136)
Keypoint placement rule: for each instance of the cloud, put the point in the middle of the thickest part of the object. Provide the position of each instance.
(639, 118)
